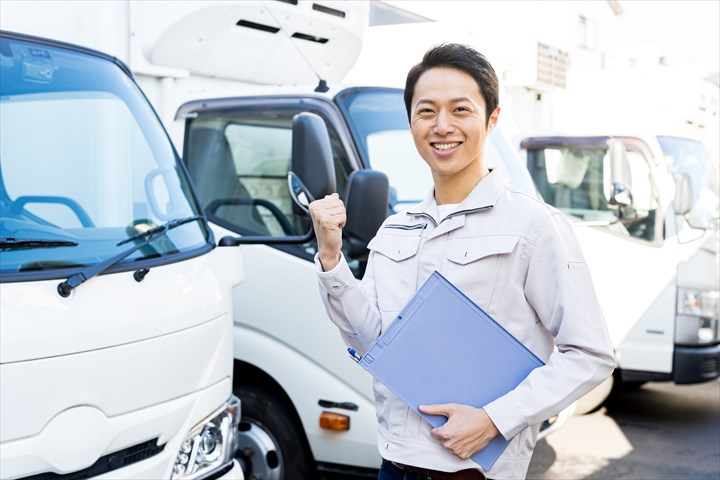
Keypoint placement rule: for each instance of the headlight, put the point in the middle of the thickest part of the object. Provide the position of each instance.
(699, 303)
(697, 320)
(209, 444)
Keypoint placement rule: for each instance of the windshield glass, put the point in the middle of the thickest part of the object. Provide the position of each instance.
(84, 164)
(379, 124)
(693, 159)
(575, 176)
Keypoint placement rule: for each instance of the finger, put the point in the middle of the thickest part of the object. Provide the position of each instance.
(320, 208)
(445, 409)
(332, 223)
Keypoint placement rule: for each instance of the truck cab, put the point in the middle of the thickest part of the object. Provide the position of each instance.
(115, 320)
(645, 209)
(307, 407)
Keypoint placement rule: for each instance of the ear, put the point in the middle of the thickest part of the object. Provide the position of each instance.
(492, 121)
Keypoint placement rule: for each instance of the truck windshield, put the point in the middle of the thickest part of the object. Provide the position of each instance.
(574, 175)
(84, 165)
(379, 124)
(692, 158)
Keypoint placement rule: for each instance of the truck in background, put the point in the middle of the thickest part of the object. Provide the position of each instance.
(645, 209)
(115, 326)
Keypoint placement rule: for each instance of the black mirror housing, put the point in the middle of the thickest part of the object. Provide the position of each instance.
(312, 158)
(367, 199)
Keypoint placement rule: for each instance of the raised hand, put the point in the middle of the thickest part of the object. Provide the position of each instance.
(328, 216)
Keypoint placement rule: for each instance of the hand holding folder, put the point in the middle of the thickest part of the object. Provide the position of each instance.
(467, 428)
(442, 348)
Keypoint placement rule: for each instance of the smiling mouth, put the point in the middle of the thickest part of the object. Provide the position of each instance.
(445, 146)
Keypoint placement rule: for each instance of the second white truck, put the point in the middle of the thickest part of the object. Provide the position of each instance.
(645, 209)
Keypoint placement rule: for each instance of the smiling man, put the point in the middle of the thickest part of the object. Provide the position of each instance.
(514, 256)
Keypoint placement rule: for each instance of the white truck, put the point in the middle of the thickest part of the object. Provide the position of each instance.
(115, 319)
(645, 209)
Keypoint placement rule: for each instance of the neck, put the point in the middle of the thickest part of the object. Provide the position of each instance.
(454, 189)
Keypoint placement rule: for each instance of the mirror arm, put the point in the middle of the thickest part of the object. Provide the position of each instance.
(230, 241)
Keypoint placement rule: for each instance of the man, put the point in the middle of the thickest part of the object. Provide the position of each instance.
(514, 256)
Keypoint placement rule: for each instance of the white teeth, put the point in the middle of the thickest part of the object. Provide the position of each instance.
(446, 146)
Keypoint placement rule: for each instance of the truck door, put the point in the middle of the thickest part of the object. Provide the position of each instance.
(238, 158)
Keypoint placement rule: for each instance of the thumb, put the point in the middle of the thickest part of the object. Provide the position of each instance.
(445, 409)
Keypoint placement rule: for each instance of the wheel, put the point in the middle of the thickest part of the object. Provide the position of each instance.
(270, 443)
(594, 399)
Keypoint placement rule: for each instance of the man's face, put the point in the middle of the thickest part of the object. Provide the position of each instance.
(448, 124)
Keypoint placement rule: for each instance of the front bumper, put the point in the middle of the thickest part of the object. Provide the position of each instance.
(229, 471)
(696, 364)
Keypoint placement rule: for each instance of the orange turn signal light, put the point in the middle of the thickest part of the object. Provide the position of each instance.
(334, 421)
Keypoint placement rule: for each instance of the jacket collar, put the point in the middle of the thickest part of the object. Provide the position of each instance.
(482, 197)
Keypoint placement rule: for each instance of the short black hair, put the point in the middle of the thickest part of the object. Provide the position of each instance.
(463, 58)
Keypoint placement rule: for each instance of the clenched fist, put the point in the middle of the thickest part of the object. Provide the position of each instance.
(328, 216)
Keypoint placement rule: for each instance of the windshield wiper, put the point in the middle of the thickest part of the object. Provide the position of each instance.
(165, 226)
(11, 242)
(66, 287)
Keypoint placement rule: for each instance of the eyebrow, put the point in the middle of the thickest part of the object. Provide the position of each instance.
(453, 100)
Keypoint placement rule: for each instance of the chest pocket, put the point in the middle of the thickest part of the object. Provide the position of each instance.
(479, 267)
(394, 265)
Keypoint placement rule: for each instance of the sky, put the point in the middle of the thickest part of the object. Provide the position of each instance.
(682, 30)
(687, 30)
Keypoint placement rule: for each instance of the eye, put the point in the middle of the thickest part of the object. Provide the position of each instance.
(462, 109)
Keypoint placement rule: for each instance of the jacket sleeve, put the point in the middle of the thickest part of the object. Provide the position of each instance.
(559, 288)
(351, 305)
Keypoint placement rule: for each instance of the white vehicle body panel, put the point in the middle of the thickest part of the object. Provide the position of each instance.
(111, 377)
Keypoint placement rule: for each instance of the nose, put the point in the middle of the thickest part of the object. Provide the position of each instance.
(443, 123)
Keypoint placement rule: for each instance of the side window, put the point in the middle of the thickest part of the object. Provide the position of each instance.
(639, 220)
(577, 181)
(239, 167)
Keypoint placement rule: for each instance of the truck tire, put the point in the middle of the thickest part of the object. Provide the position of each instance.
(270, 442)
(594, 399)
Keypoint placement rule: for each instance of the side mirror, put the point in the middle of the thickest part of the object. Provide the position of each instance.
(366, 201)
(312, 175)
(312, 159)
(620, 175)
(620, 196)
(683, 200)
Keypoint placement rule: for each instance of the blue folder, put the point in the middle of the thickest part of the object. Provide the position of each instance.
(443, 348)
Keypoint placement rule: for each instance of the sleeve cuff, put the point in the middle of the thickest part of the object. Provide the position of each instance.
(505, 418)
(337, 280)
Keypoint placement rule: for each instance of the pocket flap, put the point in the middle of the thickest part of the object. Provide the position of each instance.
(468, 250)
(395, 247)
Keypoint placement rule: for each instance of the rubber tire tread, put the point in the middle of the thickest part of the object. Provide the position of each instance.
(269, 411)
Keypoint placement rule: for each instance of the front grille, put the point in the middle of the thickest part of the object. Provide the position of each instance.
(107, 463)
(709, 367)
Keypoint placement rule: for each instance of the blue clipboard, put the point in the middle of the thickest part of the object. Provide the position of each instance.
(443, 348)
